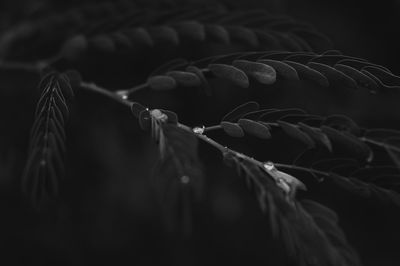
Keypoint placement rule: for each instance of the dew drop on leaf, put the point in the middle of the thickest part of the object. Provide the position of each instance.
(198, 130)
(269, 166)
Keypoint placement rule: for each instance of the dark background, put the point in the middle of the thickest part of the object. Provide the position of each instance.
(109, 214)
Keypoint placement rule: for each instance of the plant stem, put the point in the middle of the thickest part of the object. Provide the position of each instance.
(95, 88)
(211, 128)
(223, 149)
(132, 90)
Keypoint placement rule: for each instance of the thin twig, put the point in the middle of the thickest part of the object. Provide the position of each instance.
(223, 149)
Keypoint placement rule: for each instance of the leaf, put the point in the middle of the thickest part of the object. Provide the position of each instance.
(136, 108)
(313, 208)
(232, 129)
(178, 179)
(381, 134)
(335, 165)
(284, 70)
(204, 83)
(359, 64)
(333, 75)
(261, 72)
(231, 73)
(362, 80)
(306, 73)
(342, 123)
(255, 115)
(317, 135)
(255, 128)
(243, 35)
(103, 43)
(161, 83)
(386, 78)
(139, 36)
(341, 253)
(172, 116)
(144, 120)
(294, 132)
(300, 58)
(164, 34)
(317, 41)
(309, 234)
(392, 147)
(45, 164)
(297, 118)
(331, 60)
(169, 66)
(241, 110)
(74, 47)
(185, 78)
(191, 29)
(348, 144)
(273, 116)
(217, 33)
(332, 52)
(366, 190)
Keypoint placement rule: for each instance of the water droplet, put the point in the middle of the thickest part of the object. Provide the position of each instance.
(198, 130)
(269, 166)
(158, 115)
(185, 179)
(123, 94)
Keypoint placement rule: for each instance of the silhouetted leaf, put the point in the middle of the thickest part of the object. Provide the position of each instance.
(386, 78)
(185, 78)
(294, 132)
(306, 73)
(348, 143)
(317, 135)
(217, 33)
(255, 128)
(239, 111)
(231, 73)
(361, 79)
(178, 179)
(136, 108)
(273, 116)
(333, 75)
(144, 120)
(103, 43)
(204, 83)
(342, 123)
(192, 29)
(161, 83)
(261, 72)
(164, 34)
(232, 129)
(284, 70)
(45, 164)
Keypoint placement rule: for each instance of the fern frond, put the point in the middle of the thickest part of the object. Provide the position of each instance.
(45, 163)
(307, 230)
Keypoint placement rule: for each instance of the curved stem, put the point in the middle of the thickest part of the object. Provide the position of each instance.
(93, 87)
(223, 149)
(211, 128)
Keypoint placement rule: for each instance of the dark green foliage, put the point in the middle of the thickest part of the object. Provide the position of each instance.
(45, 164)
(303, 110)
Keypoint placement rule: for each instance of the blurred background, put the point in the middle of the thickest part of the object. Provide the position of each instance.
(109, 214)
